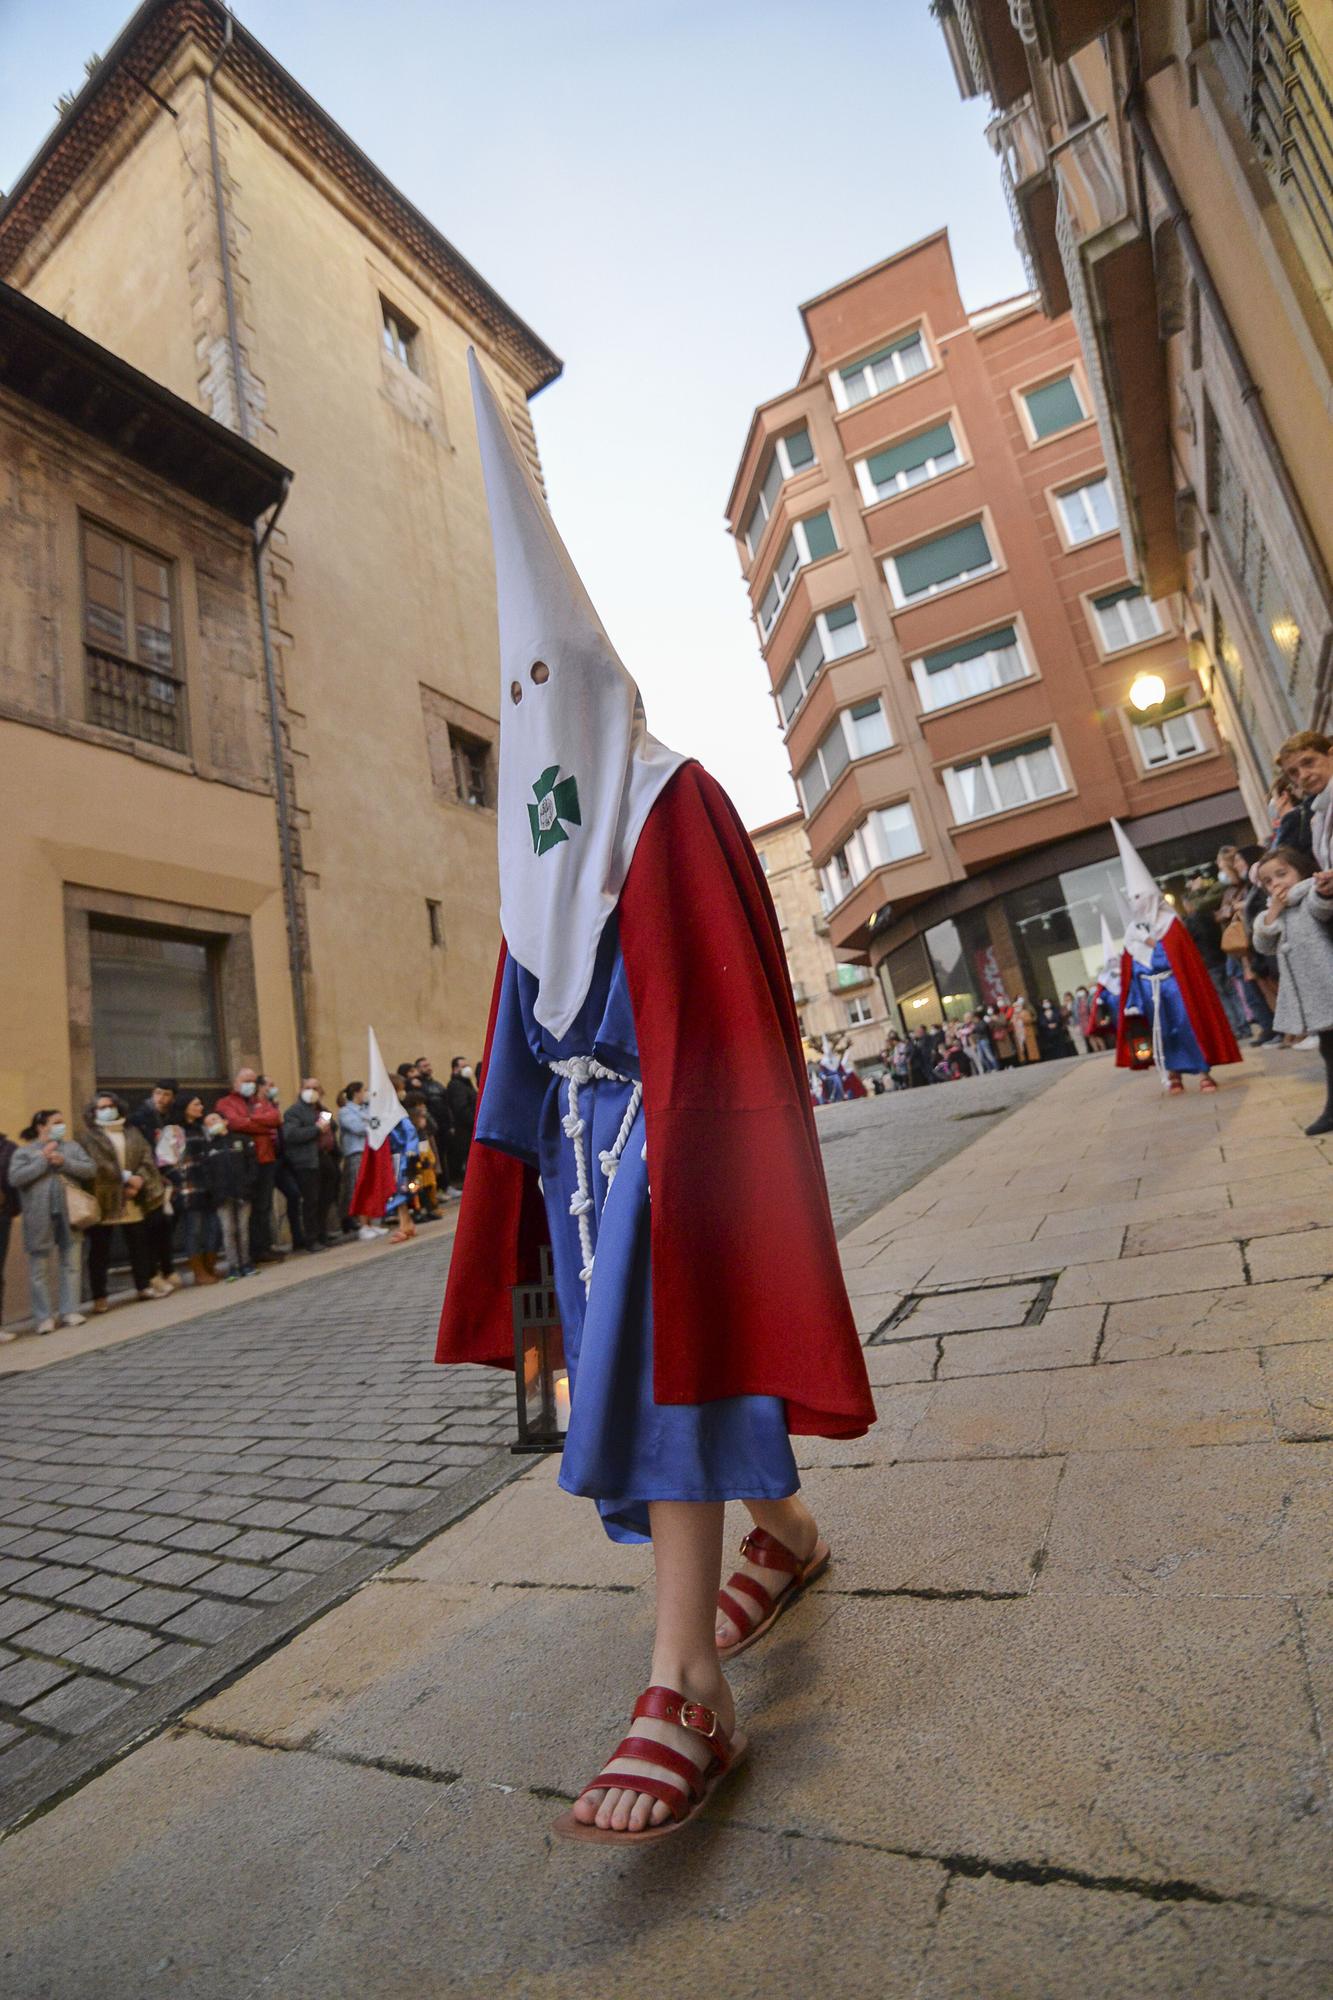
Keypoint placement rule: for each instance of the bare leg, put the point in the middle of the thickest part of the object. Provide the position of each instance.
(791, 1523)
(687, 1551)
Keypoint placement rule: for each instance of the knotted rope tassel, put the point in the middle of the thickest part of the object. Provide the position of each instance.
(578, 1071)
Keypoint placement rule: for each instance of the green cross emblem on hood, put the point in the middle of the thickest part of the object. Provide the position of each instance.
(557, 799)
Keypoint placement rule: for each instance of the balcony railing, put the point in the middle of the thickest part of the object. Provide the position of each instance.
(141, 702)
(1091, 179)
(1273, 73)
(846, 978)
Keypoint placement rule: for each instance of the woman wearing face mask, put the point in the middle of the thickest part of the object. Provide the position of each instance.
(127, 1184)
(182, 1153)
(38, 1170)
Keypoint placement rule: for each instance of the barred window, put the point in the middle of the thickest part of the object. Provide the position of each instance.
(132, 678)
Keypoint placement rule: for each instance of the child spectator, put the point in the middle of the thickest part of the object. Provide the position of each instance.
(231, 1171)
(1295, 929)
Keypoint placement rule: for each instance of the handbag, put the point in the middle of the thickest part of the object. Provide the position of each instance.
(1234, 940)
(82, 1207)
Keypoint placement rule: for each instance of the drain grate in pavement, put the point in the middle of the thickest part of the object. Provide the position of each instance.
(954, 1309)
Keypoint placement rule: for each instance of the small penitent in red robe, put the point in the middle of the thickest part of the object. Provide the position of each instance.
(747, 1291)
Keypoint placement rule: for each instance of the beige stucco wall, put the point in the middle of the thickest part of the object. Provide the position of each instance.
(811, 959)
(382, 574)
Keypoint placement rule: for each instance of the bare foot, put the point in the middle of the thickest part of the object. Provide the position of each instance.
(626, 1810)
(792, 1524)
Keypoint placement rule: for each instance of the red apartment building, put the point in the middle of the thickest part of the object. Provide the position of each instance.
(931, 544)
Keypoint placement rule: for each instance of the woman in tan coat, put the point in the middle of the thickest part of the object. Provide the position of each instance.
(1023, 1017)
(128, 1187)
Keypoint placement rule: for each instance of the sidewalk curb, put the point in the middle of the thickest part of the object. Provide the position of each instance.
(85, 1758)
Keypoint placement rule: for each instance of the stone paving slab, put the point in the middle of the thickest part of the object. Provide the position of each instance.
(1234, 1521)
(1212, 1321)
(1054, 1942)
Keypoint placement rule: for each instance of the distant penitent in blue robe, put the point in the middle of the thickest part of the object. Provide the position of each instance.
(572, 1108)
(1154, 989)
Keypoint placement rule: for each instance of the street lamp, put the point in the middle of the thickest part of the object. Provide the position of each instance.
(541, 1378)
(1148, 691)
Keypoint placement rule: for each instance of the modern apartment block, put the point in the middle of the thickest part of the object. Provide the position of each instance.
(1169, 167)
(198, 215)
(834, 998)
(951, 630)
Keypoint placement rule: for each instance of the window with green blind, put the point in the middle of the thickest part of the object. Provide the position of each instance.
(933, 565)
(973, 666)
(820, 539)
(1053, 407)
(911, 461)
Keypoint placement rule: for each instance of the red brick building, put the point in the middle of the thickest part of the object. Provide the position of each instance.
(931, 544)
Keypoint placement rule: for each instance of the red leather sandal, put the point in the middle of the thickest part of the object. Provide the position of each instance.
(753, 1620)
(683, 1788)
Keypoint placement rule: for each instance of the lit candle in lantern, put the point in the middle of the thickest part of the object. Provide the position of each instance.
(562, 1400)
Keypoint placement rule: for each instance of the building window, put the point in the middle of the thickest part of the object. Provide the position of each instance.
(1169, 739)
(808, 541)
(1270, 63)
(859, 1011)
(155, 1011)
(791, 454)
(473, 761)
(939, 564)
(909, 463)
(1010, 778)
(1087, 511)
(834, 633)
(400, 336)
(973, 666)
(131, 677)
(856, 732)
(889, 834)
(435, 923)
(1250, 562)
(1126, 618)
(884, 369)
(1054, 407)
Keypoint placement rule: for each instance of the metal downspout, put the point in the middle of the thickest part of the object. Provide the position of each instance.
(282, 797)
(1250, 393)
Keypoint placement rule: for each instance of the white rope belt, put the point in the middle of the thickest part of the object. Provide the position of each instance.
(1157, 981)
(578, 1072)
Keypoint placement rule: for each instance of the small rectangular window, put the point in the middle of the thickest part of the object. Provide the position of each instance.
(880, 371)
(1169, 739)
(809, 539)
(939, 564)
(974, 666)
(859, 1011)
(834, 633)
(790, 455)
(473, 761)
(1009, 778)
(132, 681)
(399, 336)
(1054, 407)
(909, 463)
(898, 836)
(1125, 618)
(1087, 511)
(435, 922)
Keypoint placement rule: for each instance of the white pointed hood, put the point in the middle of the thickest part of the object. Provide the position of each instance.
(578, 770)
(1151, 916)
(384, 1108)
(1109, 976)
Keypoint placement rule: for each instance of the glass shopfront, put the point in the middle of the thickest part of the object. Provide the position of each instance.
(1056, 924)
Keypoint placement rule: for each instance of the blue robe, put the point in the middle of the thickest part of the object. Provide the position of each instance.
(622, 1449)
(1179, 1047)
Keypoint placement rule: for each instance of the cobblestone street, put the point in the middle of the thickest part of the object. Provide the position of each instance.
(173, 1506)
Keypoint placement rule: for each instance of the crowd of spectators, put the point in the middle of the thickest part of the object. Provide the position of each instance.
(182, 1180)
(1003, 1036)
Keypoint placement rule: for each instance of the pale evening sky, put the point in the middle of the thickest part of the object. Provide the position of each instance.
(654, 188)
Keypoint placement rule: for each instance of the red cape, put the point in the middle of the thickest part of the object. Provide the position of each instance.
(1212, 1030)
(375, 1182)
(748, 1297)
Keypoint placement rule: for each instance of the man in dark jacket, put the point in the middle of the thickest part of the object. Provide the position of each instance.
(462, 1096)
(304, 1123)
(249, 1111)
(149, 1117)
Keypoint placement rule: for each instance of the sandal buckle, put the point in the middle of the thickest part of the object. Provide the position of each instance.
(693, 1715)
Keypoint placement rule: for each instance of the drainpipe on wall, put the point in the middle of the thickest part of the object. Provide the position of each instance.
(1250, 393)
(282, 796)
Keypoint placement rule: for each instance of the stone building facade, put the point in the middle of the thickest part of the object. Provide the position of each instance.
(1169, 167)
(833, 998)
(198, 214)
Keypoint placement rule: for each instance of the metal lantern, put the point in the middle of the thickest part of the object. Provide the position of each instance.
(1138, 1036)
(541, 1378)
